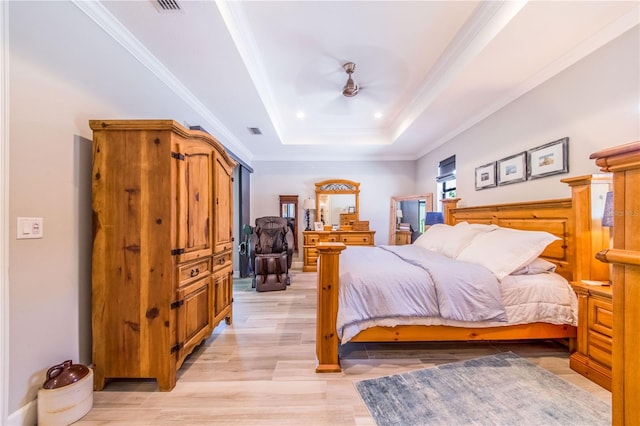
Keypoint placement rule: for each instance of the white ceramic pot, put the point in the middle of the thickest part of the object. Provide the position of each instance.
(65, 405)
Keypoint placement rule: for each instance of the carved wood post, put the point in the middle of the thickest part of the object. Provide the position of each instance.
(588, 195)
(327, 311)
(624, 162)
(449, 204)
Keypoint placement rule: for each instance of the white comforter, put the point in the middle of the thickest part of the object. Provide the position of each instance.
(526, 298)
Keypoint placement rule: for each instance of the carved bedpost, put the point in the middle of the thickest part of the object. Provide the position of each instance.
(327, 311)
(624, 162)
(449, 204)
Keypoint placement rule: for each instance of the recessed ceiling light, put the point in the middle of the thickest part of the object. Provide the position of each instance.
(300, 115)
(378, 114)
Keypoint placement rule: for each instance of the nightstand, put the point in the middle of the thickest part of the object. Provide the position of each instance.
(403, 237)
(592, 357)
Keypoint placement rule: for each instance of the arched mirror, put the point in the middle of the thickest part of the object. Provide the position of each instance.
(407, 217)
(337, 202)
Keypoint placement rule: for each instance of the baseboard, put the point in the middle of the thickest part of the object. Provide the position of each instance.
(27, 415)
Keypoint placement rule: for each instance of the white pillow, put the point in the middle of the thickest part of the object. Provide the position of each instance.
(461, 236)
(505, 250)
(435, 237)
(538, 266)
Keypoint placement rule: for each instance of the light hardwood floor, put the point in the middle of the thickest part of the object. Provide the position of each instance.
(260, 370)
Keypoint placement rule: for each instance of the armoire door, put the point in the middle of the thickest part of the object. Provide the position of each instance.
(223, 203)
(195, 206)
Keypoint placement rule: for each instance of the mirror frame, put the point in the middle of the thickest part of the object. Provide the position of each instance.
(338, 186)
(428, 204)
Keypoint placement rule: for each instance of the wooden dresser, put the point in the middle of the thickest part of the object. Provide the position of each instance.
(349, 238)
(592, 357)
(162, 250)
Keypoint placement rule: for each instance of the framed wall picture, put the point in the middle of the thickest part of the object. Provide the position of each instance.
(318, 226)
(512, 169)
(486, 176)
(549, 159)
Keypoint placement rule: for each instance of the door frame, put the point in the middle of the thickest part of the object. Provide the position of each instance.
(428, 202)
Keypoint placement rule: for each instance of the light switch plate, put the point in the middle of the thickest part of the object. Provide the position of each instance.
(30, 227)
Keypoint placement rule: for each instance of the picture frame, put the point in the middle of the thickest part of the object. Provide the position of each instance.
(352, 209)
(512, 169)
(318, 226)
(549, 159)
(486, 176)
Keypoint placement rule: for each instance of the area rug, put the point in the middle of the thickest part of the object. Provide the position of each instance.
(502, 389)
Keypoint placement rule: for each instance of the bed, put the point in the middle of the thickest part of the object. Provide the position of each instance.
(577, 235)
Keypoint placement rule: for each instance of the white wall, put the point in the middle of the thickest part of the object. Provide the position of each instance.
(596, 103)
(58, 81)
(4, 212)
(379, 181)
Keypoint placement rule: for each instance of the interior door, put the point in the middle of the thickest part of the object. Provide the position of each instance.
(289, 211)
(244, 212)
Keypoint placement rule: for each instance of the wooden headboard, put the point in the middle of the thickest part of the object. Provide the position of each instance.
(577, 221)
(553, 216)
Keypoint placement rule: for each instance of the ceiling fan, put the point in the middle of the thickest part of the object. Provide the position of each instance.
(351, 88)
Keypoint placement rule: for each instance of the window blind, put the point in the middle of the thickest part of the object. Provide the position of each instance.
(446, 169)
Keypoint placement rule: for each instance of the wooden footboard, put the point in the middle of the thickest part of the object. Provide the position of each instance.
(581, 236)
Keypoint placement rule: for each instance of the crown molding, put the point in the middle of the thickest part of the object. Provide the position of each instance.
(105, 20)
(598, 40)
(244, 41)
(483, 26)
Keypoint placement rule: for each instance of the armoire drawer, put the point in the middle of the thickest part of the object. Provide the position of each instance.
(190, 271)
(222, 260)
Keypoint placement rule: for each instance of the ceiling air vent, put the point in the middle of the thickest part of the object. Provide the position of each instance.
(167, 5)
(255, 130)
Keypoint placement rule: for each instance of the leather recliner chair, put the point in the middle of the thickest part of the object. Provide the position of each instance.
(271, 250)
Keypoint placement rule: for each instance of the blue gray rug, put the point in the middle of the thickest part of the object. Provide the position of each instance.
(501, 389)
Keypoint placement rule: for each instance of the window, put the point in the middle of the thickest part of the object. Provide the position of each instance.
(447, 177)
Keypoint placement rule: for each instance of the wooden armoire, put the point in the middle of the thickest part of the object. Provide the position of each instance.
(162, 246)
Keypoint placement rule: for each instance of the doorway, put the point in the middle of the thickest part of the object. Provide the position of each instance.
(243, 216)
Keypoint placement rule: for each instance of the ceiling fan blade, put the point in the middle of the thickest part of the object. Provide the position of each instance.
(322, 75)
(338, 106)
